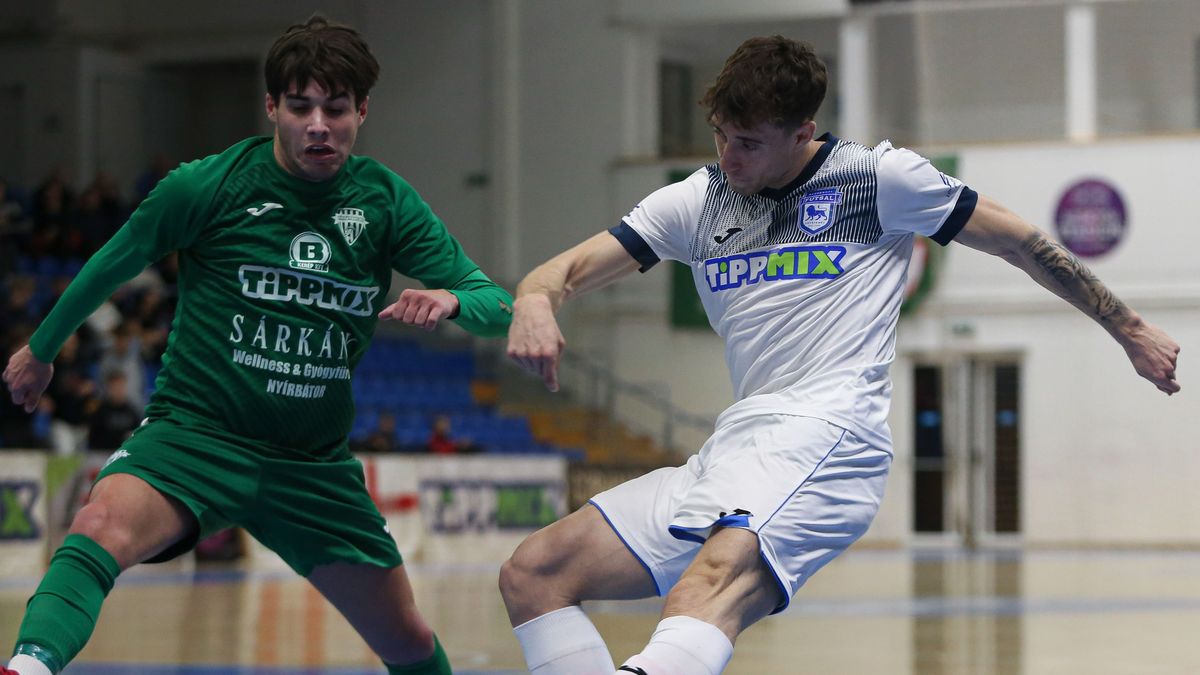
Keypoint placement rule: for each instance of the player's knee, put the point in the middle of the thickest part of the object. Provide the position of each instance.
(509, 581)
(95, 521)
(519, 574)
(531, 570)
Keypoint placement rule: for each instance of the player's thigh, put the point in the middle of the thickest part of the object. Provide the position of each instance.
(581, 556)
(318, 513)
(207, 479)
(639, 513)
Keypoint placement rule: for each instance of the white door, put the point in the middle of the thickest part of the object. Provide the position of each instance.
(966, 464)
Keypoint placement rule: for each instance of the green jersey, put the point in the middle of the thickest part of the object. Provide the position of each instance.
(280, 282)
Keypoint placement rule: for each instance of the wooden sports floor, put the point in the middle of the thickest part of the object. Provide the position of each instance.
(870, 612)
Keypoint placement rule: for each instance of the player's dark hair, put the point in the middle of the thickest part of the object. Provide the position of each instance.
(768, 79)
(332, 54)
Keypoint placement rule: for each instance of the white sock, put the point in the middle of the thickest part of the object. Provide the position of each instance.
(564, 642)
(682, 645)
(27, 665)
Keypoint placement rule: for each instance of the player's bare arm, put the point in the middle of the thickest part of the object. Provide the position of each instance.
(27, 378)
(424, 308)
(535, 342)
(996, 230)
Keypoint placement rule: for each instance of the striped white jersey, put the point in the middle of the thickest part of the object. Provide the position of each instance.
(804, 283)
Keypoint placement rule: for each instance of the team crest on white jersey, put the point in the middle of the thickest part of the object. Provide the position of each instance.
(351, 222)
(309, 251)
(818, 210)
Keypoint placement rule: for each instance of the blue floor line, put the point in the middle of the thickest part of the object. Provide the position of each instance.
(84, 668)
(937, 607)
(147, 576)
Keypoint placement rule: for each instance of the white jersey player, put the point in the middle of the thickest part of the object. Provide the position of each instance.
(799, 248)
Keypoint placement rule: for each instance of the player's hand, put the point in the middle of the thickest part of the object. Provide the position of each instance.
(421, 308)
(1153, 354)
(27, 378)
(534, 341)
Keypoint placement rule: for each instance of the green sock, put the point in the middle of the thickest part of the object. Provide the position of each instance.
(62, 613)
(437, 664)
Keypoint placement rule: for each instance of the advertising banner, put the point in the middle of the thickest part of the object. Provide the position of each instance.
(467, 509)
(23, 514)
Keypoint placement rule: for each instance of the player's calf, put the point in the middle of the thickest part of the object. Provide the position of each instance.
(726, 588)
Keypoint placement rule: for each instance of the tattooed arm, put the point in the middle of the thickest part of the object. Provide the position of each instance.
(996, 230)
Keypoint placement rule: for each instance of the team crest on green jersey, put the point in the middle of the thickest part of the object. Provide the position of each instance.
(351, 222)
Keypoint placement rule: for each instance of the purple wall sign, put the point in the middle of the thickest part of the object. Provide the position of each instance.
(1090, 219)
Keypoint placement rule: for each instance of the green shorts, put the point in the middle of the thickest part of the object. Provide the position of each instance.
(309, 512)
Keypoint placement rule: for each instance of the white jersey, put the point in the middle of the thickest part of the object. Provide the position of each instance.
(805, 283)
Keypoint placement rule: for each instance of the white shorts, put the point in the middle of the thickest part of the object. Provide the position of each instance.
(806, 487)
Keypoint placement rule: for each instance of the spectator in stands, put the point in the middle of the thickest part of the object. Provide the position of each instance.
(73, 395)
(20, 306)
(154, 312)
(95, 225)
(52, 206)
(89, 338)
(442, 442)
(121, 351)
(14, 227)
(12, 212)
(159, 167)
(115, 417)
(16, 427)
(128, 296)
(112, 205)
(383, 438)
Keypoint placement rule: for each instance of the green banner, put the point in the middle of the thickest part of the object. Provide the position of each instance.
(686, 308)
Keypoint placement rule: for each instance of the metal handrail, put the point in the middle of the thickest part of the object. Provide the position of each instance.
(603, 389)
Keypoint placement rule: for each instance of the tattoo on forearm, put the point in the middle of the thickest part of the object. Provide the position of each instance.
(1073, 280)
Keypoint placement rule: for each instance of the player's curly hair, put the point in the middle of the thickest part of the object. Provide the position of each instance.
(768, 79)
(332, 54)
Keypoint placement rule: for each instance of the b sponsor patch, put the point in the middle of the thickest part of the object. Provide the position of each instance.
(309, 251)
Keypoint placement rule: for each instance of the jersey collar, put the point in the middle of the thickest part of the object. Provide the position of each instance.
(828, 140)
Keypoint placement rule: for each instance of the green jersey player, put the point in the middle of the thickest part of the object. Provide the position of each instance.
(286, 247)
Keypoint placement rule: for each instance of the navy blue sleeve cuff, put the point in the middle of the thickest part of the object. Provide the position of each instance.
(634, 245)
(967, 199)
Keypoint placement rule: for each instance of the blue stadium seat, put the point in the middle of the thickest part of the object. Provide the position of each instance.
(412, 437)
(417, 384)
(71, 267)
(47, 267)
